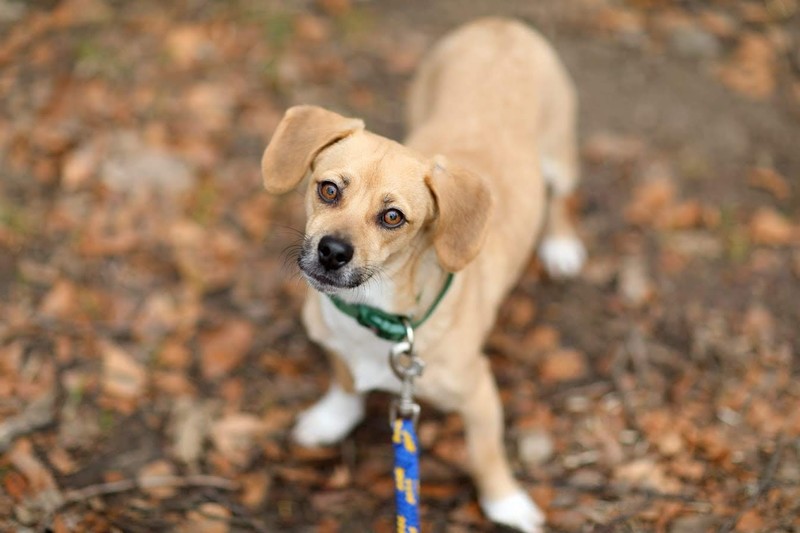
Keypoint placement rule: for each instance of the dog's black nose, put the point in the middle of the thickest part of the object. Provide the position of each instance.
(334, 253)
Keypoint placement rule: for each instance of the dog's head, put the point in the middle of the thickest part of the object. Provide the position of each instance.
(370, 201)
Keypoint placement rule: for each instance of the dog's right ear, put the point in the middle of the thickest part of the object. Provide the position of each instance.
(303, 133)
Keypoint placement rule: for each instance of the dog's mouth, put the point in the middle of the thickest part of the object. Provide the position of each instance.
(327, 281)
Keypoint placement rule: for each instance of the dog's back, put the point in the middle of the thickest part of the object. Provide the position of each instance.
(494, 97)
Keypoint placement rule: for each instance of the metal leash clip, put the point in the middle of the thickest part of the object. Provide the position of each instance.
(406, 366)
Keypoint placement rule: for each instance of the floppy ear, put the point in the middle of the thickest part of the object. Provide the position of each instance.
(304, 132)
(464, 203)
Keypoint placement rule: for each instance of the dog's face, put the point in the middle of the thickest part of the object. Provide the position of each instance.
(371, 202)
(368, 206)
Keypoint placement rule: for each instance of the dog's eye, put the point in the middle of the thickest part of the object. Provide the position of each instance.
(392, 218)
(328, 192)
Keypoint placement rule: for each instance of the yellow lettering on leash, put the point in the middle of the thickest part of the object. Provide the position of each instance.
(399, 477)
(410, 499)
(408, 442)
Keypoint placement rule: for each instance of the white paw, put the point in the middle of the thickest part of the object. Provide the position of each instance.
(517, 511)
(562, 256)
(330, 419)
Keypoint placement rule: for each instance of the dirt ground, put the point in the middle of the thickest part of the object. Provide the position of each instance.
(151, 357)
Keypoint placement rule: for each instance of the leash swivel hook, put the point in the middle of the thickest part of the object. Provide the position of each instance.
(407, 366)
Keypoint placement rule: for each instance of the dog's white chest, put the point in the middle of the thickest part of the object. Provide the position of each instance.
(366, 355)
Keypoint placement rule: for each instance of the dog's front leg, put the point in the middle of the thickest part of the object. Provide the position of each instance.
(335, 414)
(501, 497)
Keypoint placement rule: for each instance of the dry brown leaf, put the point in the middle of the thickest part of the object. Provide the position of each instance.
(255, 488)
(224, 348)
(520, 311)
(312, 29)
(335, 7)
(188, 45)
(209, 517)
(15, 485)
(156, 469)
(771, 228)
(22, 457)
(650, 200)
(562, 365)
(234, 436)
(80, 165)
(123, 376)
(751, 520)
(212, 105)
(770, 180)
(751, 70)
(647, 474)
(634, 284)
(61, 302)
(542, 338)
(685, 215)
(189, 426)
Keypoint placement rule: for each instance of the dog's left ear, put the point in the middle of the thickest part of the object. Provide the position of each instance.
(304, 132)
(463, 202)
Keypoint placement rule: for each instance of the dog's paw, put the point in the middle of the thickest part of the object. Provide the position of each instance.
(330, 419)
(563, 257)
(517, 511)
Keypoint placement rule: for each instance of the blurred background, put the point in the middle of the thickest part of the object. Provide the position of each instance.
(151, 357)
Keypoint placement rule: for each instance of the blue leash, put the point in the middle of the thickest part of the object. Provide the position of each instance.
(406, 475)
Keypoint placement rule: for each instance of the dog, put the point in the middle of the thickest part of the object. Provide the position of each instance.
(484, 174)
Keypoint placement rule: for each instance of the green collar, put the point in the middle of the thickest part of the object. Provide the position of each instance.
(387, 325)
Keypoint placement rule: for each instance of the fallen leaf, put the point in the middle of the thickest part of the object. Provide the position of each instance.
(562, 365)
(634, 283)
(147, 479)
(645, 473)
(751, 69)
(22, 457)
(255, 489)
(770, 180)
(61, 301)
(312, 29)
(123, 376)
(209, 517)
(234, 436)
(751, 520)
(224, 348)
(650, 200)
(769, 227)
(189, 424)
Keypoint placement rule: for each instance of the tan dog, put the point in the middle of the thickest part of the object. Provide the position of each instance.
(492, 116)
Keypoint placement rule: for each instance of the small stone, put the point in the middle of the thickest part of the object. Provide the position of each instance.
(535, 447)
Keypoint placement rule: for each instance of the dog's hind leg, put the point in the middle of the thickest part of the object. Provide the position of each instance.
(335, 414)
(560, 250)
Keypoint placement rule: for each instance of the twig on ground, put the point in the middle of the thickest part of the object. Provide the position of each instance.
(36, 415)
(147, 482)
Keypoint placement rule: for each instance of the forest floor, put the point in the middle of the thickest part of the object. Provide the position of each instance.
(151, 356)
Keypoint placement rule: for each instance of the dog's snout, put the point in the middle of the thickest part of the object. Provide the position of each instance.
(334, 253)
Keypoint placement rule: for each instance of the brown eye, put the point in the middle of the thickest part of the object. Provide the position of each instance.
(328, 192)
(392, 218)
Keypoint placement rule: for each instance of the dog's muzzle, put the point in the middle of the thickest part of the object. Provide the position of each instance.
(329, 267)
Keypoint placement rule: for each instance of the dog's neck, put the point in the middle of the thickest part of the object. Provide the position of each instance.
(406, 286)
